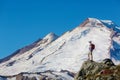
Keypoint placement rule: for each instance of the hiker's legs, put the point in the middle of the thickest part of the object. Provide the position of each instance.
(90, 56)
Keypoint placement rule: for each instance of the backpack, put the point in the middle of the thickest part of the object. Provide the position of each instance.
(92, 46)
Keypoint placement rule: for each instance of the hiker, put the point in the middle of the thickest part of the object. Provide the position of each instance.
(91, 48)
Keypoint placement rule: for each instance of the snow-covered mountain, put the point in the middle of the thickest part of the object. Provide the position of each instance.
(64, 55)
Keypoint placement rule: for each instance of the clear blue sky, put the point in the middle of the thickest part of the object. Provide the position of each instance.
(24, 21)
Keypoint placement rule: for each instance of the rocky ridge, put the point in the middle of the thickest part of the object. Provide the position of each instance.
(106, 70)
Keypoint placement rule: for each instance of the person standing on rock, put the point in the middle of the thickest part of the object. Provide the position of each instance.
(91, 48)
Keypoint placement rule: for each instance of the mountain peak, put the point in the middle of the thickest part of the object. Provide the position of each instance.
(109, 22)
(94, 20)
(100, 20)
(51, 36)
(91, 22)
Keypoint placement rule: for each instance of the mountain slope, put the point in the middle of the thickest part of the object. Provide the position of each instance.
(69, 51)
(41, 43)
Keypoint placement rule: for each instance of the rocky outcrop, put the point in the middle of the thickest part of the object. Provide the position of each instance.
(105, 70)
